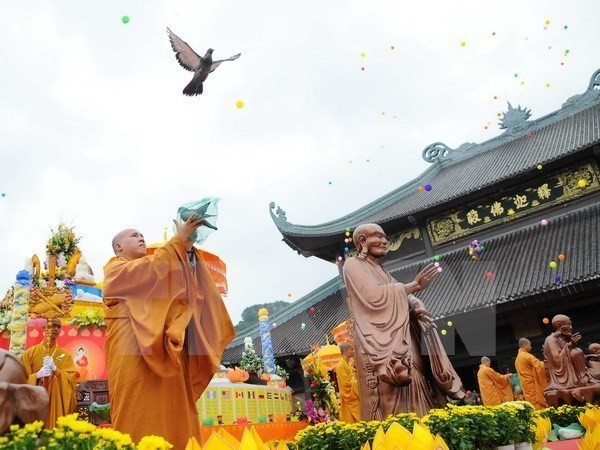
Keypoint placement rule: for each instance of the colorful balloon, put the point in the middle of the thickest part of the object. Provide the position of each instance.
(553, 264)
(581, 183)
(125, 19)
(489, 275)
(561, 257)
(239, 104)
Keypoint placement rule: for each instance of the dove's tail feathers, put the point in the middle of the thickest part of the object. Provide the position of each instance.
(193, 88)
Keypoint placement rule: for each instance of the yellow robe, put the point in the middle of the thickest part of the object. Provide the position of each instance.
(61, 384)
(533, 378)
(167, 327)
(348, 386)
(495, 388)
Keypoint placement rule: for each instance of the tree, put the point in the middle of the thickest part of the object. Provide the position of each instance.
(250, 314)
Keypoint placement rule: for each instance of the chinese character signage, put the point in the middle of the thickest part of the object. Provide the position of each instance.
(535, 196)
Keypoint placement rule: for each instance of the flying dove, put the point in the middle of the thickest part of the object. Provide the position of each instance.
(190, 60)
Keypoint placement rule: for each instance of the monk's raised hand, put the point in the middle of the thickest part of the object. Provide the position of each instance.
(185, 229)
(426, 276)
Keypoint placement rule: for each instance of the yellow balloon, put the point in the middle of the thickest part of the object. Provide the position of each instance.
(444, 332)
(239, 104)
(581, 183)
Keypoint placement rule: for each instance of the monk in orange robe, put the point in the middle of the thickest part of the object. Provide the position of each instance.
(348, 386)
(52, 366)
(532, 374)
(495, 388)
(167, 327)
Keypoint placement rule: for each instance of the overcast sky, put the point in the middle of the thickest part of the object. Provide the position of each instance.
(95, 133)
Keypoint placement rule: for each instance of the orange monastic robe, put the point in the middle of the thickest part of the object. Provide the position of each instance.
(495, 388)
(348, 386)
(167, 327)
(533, 378)
(60, 385)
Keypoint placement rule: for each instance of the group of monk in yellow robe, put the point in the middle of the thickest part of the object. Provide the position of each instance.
(496, 388)
(347, 382)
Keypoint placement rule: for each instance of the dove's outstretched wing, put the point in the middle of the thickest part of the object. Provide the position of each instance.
(187, 58)
(216, 64)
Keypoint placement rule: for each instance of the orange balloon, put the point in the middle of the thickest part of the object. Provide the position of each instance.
(561, 257)
(546, 320)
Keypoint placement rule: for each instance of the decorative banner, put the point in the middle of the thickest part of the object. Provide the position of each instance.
(536, 196)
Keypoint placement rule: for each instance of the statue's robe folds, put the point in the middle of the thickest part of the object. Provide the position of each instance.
(567, 367)
(393, 376)
(60, 385)
(348, 387)
(532, 375)
(167, 327)
(495, 388)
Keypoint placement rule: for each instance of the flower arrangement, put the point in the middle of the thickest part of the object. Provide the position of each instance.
(563, 416)
(250, 361)
(323, 394)
(281, 372)
(5, 319)
(72, 433)
(467, 427)
(88, 318)
(63, 242)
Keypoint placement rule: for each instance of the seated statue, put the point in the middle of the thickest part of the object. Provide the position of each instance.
(593, 359)
(566, 363)
(20, 402)
(83, 274)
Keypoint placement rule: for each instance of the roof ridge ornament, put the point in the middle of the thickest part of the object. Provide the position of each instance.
(279, 216)
(514, 120)
(580, 101)
(439, 151)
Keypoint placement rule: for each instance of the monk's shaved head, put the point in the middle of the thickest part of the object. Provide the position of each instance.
(559, 319)
(523, 342)
(119, 237)
(344, 346)
(362, 233)
(129, 243)
(485, 359)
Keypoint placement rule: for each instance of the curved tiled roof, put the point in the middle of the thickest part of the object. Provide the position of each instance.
(457, 173)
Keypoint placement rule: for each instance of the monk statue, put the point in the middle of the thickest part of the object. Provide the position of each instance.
(392, 333)
(568, 372)
(593, 359)
(20, 403)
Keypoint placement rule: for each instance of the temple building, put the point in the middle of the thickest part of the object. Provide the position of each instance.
(530, 196)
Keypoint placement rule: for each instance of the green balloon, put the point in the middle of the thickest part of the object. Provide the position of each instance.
(436, 258)
(125, 19)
